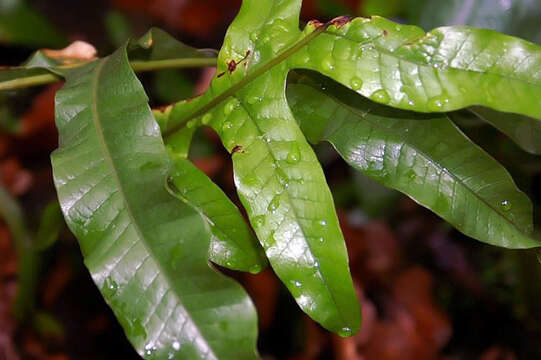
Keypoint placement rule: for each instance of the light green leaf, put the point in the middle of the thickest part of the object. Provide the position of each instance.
(523, 130)
(278, 177)
(445, 69)
(423, 156)
(146, 251)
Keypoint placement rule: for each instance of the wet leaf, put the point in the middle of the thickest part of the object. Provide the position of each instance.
(424, 156)
(146, 250)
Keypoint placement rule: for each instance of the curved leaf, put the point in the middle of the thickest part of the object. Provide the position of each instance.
(523, 130)
(146, 251)
(232, 243)
(425, 157)
(446, 69)
(278, 177)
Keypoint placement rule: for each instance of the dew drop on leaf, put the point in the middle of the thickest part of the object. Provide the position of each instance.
(380, 96)
(206, 118)
(345, 331)
(356, 83)
(437, 103)
(191, 123)
(506, 205)
(110, 287)
(294, 155)
(253, 99)
(255, 269)
(328, 64)
(282, 177)
(274, 204)
(259, 221)
(230, 106)
(176, 345)
(227, 125)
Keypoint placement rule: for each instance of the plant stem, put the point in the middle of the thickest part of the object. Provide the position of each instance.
(137, 66)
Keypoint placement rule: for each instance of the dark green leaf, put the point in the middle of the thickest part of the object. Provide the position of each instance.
(52, 222)
(423, 156)
(146, 251)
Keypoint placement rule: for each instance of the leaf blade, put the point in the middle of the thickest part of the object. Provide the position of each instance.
(443, 70)
(110, 172)
(447, 174)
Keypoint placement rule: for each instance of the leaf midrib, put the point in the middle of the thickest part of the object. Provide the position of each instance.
(324, 280)
(364, 117)
(107, 154)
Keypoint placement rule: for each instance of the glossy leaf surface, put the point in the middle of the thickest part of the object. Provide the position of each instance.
(423, 156)
(146, 250)
(232, 243)
(445, 69)
(278, 177)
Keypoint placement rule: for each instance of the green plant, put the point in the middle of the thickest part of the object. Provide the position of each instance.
(148, 220)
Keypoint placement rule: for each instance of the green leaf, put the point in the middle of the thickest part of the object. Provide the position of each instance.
(523, 130)
(146, 251)
(446, 69)
(516, 17)
(232, 243)
(278, 177)
(423, 156)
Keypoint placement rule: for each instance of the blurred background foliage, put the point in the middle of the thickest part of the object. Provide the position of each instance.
(428, 292)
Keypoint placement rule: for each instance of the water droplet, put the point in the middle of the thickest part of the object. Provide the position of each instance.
(345, 331)
(254, 36)
(506, 205)
(255, 269)
(437, 103)
(109, 288)
(258, 221)
(271, 240)
(149, 349)
(328, 64)
(274, 204)
(298, 283)
(230, 106)
(253, 99)
(321, 239)
(411, 103)
(282, 177)
(294, 155)
(322, 222)
(227, 125)
(206, 118)
(356, 83)
(380, 96)
(191, 123)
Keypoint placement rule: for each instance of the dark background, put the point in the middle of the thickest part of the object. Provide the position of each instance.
(428, 292)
